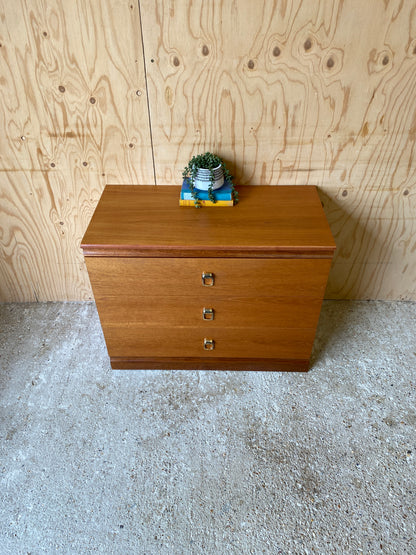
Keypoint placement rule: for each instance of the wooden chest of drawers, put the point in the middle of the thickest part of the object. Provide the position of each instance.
(214, 288)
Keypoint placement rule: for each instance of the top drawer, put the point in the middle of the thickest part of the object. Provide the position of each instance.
(184, 276)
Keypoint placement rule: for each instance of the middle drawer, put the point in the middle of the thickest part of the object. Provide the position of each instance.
(236, 312)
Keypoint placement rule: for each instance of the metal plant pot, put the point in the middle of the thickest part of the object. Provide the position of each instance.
(203, 178)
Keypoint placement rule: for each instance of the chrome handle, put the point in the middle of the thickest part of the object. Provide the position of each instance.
(207, 313)
(207, 279)
(209, 344)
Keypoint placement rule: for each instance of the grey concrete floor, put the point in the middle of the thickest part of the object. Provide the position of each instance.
(176, 462)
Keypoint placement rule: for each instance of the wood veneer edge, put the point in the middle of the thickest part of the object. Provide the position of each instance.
(204, 252)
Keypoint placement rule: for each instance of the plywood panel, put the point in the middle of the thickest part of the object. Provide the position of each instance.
(41, 222)
(287, 91)
(296, 92)
(376, 235)
(73, 116)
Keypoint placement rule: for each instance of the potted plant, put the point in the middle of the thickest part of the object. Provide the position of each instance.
(207, 172)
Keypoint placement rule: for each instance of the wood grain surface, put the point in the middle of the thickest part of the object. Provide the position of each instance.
(287, 91)
(145, 221)
(136, 341)
(73, 116)
(296, 92)
(174, 276)
(231, 310)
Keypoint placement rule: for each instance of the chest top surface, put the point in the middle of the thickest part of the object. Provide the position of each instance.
(268, 221)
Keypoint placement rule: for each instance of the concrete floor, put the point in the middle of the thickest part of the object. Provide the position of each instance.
(175, 462)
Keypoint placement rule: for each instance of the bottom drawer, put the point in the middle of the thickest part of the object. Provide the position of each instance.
(136, 341)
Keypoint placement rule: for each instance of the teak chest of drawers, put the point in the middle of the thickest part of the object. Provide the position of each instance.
(214, 288)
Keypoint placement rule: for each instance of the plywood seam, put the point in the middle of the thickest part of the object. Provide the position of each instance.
(147, 94)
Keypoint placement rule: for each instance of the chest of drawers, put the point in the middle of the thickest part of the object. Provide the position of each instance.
(214, 288)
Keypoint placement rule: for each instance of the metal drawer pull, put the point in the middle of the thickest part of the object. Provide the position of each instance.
(209, 344)
(207, 313)
(207, 279)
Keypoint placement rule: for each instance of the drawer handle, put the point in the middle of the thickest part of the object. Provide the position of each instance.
(207, 279)
(207, 313)
(209, 344)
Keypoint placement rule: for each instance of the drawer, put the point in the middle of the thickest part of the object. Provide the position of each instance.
(235, 312)
(137, 341)
(113, 277)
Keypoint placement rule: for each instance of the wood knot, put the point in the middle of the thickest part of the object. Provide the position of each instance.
(61, 88)
(250, 64)
(52, 164)
(85, 163)
(176, 61)
(276, 51)
(307, 45)
(330, 63)
(169, 96)
(205, 50)
(344, 193)
(385, 60)
(406, 192)
(92, 100)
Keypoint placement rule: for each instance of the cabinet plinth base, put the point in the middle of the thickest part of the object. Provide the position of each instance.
(165, 363)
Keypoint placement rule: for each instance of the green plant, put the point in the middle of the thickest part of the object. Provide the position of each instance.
(206, 161)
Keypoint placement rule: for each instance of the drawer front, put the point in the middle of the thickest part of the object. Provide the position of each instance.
(209, 312)
(260, 308)
(183, 276)
(137, 341)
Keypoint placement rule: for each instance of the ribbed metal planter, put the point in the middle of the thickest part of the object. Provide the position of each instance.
(203, 178)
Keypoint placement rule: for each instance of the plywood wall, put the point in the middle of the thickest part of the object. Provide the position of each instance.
(73, 116)
(286, 91)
